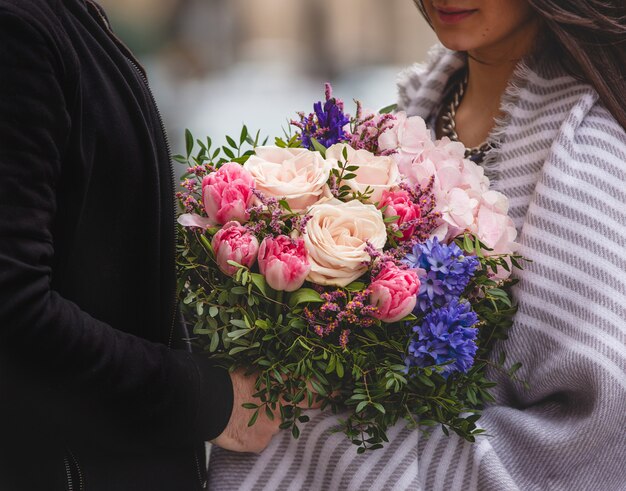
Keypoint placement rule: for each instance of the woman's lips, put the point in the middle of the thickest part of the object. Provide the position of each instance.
(453, 16)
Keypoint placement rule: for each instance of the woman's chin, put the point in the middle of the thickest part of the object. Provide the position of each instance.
(456, 42)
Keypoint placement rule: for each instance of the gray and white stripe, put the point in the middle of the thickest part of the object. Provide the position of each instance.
(561, 161)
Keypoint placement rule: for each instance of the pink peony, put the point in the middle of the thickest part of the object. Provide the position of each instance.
(394, 292)
(399, 204)
(284, 262)
(227, 194)
(236, 243)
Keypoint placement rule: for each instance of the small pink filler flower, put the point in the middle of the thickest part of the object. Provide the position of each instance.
(236, 243)
(284, 262)
(394, 292)
(227, 194)
(400, 204)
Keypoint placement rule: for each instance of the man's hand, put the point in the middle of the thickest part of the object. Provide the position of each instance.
(238, 436)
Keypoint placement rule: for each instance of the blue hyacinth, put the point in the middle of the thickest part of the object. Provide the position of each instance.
(447, 272)
(445, 335)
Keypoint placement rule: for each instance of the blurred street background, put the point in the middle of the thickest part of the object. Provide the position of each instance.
(215, 64)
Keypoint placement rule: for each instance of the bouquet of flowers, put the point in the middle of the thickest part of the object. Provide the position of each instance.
(357, 262)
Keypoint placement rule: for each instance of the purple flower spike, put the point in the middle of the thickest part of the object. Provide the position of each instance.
(326, 123)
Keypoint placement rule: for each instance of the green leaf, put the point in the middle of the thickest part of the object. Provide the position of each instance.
(229, 153)
(213, 311)
(238, 349)
(514, 368)
(388, 109)
(253, 418)
(188, 142)
(355, 286)
(231, 142)
(471, 396)
(318, 388)
(260, 283)
(330, 368)
(319, 147)
(244, 134)
(285, 205)
(370, 334)
(425, 380)
(502, 358)
(362, 405)
(339, 368)
(393, 218)
(215, 339)
(304, 295)
(359, 397)
(295, 432)
(468, 245)
(379, 407)
(206, 243)
(239, 323)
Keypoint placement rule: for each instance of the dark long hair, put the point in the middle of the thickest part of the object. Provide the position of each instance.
(589, 36)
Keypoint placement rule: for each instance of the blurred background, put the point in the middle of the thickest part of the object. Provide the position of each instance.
(215, 64)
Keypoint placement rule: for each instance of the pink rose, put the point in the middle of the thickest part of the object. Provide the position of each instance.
(284, 262)
(227, 194)
(399, 204)
(236, 243)
(394, 292)
(296, 174)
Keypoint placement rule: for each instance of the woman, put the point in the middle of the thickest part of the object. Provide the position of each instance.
(536, 89)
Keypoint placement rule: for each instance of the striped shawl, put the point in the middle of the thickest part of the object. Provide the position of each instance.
(561, 160)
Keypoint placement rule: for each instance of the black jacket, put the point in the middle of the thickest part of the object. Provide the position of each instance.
(90, 380)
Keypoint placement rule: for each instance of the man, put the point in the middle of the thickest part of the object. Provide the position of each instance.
(97, 391)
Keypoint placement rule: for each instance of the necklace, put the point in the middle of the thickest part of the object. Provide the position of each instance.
(448, 123)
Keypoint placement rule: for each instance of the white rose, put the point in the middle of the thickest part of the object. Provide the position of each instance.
(336, 239)
(296, 174)
(376, 172)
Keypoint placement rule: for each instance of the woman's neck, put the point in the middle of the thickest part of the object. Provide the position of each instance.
(480, 106)
(489, 73)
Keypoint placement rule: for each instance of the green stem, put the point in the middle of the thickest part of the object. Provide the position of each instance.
(279, 303)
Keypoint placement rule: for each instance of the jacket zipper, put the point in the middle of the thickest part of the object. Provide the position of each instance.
(201, 476)
(70, 475)
(168, 148)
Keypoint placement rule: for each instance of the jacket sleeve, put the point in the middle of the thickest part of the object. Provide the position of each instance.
(76, 360)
